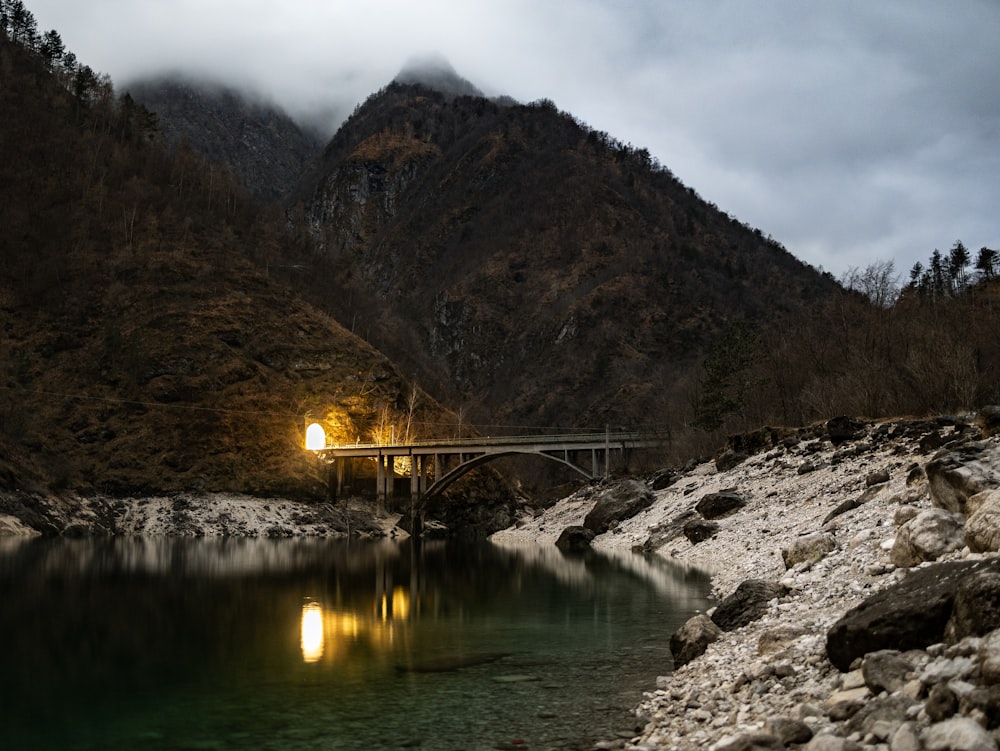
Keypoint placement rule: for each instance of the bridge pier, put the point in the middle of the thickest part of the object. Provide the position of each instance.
(383, 482)
(418, 475)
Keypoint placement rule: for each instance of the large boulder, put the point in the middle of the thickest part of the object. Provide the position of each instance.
(788, 730)
(692, 639)
(747, 604)
(912, 614)
(982, 528)
(662, 479)
(699, 530)
(956, 474)
(989, 419)
(620, 502)
(989, 657)
(852, 503)
(885, 670)
(926, 537)
(957, 734)
(671, 529)
(843, 429)
(729, 459)
(808, 548)
(575, 539)
(976, 610)
(723, 503)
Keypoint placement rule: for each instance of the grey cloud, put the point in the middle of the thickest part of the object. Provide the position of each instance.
(849, 131)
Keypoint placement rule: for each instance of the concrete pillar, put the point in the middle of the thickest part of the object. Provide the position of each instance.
(380, 483)
(414, 476)
(607, 451)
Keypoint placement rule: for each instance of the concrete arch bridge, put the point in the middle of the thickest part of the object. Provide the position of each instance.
(446, 460)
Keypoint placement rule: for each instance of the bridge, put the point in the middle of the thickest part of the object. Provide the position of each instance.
(446, 460)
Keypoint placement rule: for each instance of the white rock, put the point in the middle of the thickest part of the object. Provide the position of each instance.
(958, 734)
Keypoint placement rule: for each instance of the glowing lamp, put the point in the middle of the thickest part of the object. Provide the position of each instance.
(315, 437)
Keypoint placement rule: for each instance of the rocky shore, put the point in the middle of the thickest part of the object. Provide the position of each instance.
(184, 515)
(858, 586)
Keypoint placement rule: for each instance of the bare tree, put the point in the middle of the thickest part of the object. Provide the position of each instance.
(878, 281)
(411, 405)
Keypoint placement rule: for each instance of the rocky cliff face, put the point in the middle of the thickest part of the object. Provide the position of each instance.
(258, 142)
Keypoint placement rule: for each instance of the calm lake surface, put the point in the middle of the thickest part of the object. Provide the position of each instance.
(315, 644)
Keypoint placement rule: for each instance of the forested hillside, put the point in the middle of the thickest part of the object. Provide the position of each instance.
(534, 271)
(146, 345)
(531, 269)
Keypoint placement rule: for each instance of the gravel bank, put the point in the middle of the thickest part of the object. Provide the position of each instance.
(776, 668)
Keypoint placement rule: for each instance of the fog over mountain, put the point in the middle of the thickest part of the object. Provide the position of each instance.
(435, 71)
(849, 131)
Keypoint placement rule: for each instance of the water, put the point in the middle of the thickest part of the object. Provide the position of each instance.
(309, 644)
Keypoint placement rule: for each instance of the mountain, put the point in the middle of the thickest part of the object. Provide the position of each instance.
(531, 270)
(163, 329)
(524, 268)
(264, 147)
(148, 344)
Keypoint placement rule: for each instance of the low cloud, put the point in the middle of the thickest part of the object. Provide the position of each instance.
(850, 132)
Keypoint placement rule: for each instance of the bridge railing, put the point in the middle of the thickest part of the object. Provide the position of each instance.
(616, 437)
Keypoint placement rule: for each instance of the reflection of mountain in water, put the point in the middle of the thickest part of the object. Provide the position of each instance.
(242, 557)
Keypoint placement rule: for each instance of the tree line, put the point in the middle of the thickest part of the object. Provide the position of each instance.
(949, 275)
(880, 348)
(19, 26)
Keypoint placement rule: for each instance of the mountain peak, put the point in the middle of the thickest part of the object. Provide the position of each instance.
(434, 71)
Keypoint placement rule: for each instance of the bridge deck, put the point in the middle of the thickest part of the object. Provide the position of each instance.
(495, 445)
(472, 452)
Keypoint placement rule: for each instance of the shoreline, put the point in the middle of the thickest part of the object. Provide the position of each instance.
(752, 682)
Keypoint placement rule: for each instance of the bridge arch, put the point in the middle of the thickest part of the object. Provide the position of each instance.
(468, 465)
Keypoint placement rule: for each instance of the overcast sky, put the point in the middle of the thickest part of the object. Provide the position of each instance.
(849, 130)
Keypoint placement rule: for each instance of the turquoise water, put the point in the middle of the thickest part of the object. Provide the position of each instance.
(306, 644)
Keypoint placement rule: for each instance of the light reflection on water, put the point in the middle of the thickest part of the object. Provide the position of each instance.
(313, 632)
(300, 644)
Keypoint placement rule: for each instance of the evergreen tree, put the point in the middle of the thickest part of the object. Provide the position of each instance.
(958, 262)
(726, 381)
(19, 23)
(936, 278)
(52, 49)
(987, 263)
